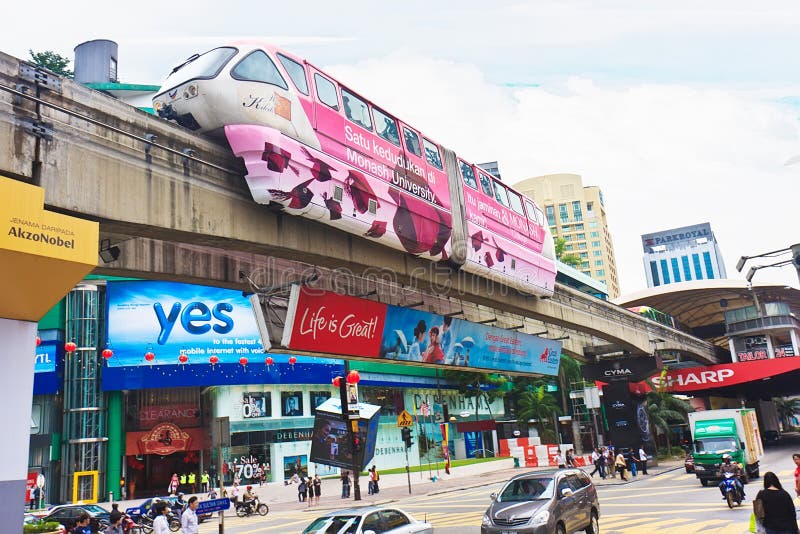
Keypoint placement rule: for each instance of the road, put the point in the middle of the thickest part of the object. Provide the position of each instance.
(669, 503)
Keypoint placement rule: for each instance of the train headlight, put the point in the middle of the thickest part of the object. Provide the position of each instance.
(157, 106)
(191, 91)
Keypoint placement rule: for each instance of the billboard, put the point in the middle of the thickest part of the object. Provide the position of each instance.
(326, 322)
(168, 319)
(330, 443)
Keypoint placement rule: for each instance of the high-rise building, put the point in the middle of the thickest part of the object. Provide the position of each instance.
(681, 255)
(577, 214)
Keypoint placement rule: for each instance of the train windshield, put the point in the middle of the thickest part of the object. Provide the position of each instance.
(207, 65)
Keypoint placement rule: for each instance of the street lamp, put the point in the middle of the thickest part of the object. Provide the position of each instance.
(794, 260)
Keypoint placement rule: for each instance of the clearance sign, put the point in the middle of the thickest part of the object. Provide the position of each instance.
(44, 254)
(717, 376)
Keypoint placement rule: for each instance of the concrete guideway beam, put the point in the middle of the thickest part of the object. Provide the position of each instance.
(101, 174)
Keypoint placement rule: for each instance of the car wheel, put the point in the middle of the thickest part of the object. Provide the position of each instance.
(594, 525)
(560, 529)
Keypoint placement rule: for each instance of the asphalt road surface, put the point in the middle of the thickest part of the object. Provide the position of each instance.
(669, 503)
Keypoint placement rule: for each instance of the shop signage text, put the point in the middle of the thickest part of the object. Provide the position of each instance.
(182, 414)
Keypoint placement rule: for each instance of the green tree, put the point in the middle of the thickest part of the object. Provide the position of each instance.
(573, 260)
(787, 408)
(53, 62)
(664, 408)
(542, 407)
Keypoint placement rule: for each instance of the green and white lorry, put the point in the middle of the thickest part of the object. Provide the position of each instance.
(729, 431)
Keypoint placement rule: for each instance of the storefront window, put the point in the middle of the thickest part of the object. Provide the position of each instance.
(316, 398)
(389, 399)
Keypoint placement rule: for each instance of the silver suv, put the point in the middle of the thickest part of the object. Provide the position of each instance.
(543, 502)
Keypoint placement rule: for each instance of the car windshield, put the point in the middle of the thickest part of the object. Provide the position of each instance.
(94, 509)
(715, 445)
(331, 525)
(527, 489)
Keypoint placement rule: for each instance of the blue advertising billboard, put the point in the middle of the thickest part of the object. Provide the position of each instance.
(168, 319)
(424, 337)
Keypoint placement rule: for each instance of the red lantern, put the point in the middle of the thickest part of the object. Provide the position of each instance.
(269, 360)
(292, 360)
(107, 353)
(243, 360)
(213, 360)
(183, 358)
(149, 356)
(353, 377)
(38, 341)
(337, 381)
(70, 346)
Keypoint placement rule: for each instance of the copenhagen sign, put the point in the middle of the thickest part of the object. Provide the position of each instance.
(328, 323)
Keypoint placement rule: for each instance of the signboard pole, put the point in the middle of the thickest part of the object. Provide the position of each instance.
(223, 437)
(408, 473)
(351, 434)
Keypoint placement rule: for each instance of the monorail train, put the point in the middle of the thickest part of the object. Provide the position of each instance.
(657, 316)
(322, 151)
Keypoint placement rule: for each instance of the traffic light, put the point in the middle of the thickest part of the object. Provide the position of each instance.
(356, 443)
(406, 432)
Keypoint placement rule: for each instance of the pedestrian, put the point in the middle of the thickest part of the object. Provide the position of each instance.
(796, 458)
(172, 487)
(182, 487)
(780, 516)
(619, 463)
(204, 481)
(192, 480)
(301, 490)
(310, 490)
(643, 459)
(599, 463)
(234, 494)
(114, 523)
(560, 461)
(571, 458)
(317, 488)
(373, 480)
(35, 497)
(160, 523)
(82, 524)
(263, 479)
(189, 523)
(345, 484)
(609, 458)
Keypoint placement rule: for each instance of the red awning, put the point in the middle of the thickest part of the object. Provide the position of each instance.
(476, 426)
(718, 376)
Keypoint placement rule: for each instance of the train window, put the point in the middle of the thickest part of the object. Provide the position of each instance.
(468, 174)
(356, 110)
(486, 185)
(258, 67)
(432, 154)
(326, 92)
(516, 202)
(386, 126)
(412, 142)
(296, 72)
(531, 209)
(501, 194)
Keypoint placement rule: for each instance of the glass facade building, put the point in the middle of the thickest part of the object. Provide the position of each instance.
(682, 255)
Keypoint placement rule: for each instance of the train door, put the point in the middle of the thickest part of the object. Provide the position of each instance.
(328, 119)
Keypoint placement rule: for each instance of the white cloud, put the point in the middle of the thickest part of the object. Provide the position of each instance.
(664, 155)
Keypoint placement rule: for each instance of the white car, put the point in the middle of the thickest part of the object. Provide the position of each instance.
(368, 520)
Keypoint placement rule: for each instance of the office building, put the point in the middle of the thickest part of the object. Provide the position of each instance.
(681, 255)
(576, 213)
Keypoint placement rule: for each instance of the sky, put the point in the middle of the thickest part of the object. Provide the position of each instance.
(680, 114)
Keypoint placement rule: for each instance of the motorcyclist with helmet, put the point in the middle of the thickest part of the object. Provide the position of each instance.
(730, 467)
(181, 502)
(249, 498)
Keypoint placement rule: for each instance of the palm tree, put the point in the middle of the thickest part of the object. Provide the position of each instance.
(539, 405)
(787, 408)
(663, 408)
(573, 260)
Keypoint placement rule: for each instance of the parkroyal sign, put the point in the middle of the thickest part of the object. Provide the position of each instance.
(718, 376)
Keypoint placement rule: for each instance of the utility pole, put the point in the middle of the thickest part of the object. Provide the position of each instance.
(352, 430)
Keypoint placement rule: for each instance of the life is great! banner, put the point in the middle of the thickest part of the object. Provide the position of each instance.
(170, 319)
(328, 323)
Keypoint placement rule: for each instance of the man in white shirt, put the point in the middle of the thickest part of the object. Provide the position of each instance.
(160, 523)
(189, 517)
(560, 460)
(643, 460)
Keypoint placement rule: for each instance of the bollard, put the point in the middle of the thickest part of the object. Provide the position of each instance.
(110, 496)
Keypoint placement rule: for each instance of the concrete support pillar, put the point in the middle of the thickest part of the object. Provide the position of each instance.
(795, 342)
(732, 346)
(16, 383)
(770, 348)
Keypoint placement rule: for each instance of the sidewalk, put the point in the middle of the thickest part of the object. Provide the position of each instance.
(280, 497)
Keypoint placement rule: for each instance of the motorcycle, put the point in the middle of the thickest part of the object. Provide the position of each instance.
(244, 509)
(732, 492)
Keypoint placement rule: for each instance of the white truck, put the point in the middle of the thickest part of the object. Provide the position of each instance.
(729, 431)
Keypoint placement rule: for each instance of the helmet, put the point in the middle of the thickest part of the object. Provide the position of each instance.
(180, 495)
(249, 488)
(726, 457)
